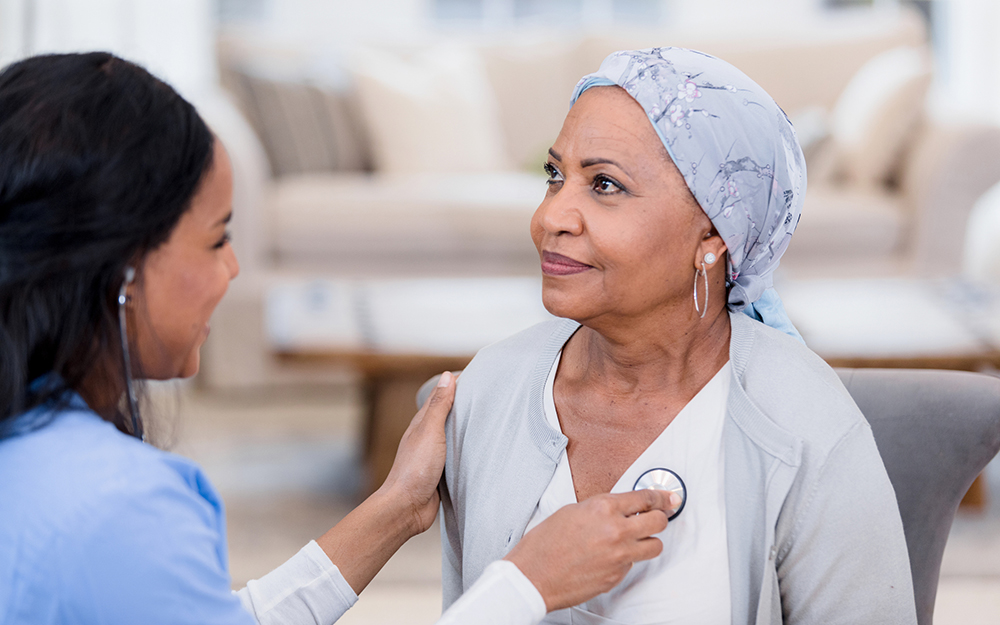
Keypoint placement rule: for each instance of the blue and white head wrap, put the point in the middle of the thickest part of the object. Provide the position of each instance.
(737, 152)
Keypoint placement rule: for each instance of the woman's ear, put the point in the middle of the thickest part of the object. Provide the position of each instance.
(710, 251)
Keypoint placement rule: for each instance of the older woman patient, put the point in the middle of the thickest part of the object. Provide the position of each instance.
(674, 188)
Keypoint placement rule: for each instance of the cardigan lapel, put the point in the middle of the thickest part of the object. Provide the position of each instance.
(761, 462)
(548, 443)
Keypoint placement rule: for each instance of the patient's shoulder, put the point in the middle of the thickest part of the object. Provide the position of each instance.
(794, 386)
(500, 378)
(521, 350)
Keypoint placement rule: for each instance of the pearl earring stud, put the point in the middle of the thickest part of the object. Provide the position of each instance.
(709, 258)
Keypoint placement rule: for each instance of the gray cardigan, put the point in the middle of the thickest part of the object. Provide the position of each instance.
(813, 529)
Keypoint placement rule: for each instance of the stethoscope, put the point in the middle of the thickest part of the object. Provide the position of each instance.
(664, 479)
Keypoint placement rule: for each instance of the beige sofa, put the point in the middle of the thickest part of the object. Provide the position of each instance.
(356, 195)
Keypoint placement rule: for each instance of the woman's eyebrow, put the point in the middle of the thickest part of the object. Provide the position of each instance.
(590, 162)
(225, 220)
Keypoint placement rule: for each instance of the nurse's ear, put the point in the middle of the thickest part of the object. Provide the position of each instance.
(127, 282)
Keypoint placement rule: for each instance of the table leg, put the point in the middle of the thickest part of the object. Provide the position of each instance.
(975, 498)
(391, 406)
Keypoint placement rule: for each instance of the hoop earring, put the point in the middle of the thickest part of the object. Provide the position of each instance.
(704, 273)
(133, 408)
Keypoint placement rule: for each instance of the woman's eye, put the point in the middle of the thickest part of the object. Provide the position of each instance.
(603, 184)
(226, 238)
(554, 176)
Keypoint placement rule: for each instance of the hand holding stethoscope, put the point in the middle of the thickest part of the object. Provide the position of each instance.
(664, 479)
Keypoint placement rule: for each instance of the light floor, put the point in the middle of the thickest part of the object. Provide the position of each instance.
(287, 466)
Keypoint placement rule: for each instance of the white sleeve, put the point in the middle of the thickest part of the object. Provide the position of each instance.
(308, 589)
(501, 596)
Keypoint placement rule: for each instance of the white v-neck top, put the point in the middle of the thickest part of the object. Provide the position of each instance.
(689, 582)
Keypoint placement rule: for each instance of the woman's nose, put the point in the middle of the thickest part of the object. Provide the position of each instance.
(232, 264)
(560, 214)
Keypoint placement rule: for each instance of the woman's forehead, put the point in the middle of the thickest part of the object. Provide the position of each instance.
(213, 202)
(609, 118)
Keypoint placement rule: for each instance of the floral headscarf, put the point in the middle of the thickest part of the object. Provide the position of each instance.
(737, 152)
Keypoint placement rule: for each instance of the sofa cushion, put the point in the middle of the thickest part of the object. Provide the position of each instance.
(304, 127)
(405, 222)
(533, 83)
(838, 223)
(877, 113)
(430, 111)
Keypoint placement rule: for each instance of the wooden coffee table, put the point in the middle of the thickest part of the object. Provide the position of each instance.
(897, 323)
(399, 333)
(396, 334)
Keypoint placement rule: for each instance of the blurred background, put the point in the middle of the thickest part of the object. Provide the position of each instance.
(387, 158)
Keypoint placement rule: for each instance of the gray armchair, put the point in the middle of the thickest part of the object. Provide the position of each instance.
(936, 431)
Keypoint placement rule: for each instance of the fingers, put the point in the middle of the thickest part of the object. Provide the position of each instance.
(643, 526)
(647, 549)
(646, 524)
(585, 549)
(438, 405)
(443, 390)
(644, 500)
(420, 457)
(446, 379)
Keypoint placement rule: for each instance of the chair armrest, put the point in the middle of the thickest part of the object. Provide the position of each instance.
(948, 169)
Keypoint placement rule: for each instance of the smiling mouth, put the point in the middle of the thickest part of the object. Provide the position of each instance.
(558, 265)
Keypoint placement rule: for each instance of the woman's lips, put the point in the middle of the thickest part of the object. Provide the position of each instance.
(558, 265)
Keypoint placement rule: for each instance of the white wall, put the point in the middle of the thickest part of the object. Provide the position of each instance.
(745, 14)
(175, 39)
(316, 35)
(969, 74)
(11, 31)
(336, 26)
(967, 89)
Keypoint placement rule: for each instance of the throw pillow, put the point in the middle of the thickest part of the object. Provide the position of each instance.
(876, 114)
(304, 127)
(533, 82)
(431, 111)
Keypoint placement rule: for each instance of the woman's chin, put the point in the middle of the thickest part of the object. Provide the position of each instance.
(190, 370)
(191, 365)
(566, 305)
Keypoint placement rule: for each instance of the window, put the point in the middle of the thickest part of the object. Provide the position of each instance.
(235, 11)
(493, 14)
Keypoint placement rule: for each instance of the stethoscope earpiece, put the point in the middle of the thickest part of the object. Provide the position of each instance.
(133, 406)
(664, 479)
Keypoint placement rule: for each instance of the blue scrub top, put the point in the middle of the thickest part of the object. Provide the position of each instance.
(97, 527)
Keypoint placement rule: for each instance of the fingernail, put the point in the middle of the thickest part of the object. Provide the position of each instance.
(445, 379)
(675, 500)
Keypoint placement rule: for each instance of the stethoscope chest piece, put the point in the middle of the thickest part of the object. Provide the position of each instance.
(664, 479)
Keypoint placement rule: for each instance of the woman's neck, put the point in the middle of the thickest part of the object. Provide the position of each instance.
(102, 391)
(648, 355)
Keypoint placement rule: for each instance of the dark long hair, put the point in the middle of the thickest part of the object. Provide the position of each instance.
(98, 161)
